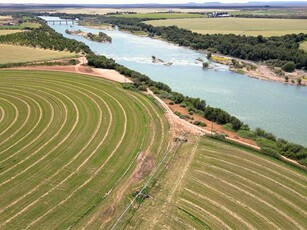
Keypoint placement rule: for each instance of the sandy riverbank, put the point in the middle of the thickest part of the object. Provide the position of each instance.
(260, 71)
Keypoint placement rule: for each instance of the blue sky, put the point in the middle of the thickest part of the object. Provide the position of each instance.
(127, 1)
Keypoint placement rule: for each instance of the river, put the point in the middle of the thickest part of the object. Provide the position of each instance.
(276, 107)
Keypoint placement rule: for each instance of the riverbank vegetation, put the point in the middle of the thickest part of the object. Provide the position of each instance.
(303, 46)
(100, 37)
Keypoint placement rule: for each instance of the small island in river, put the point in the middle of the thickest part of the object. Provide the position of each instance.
(101, 37)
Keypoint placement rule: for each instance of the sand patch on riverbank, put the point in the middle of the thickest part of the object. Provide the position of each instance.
(260, 71)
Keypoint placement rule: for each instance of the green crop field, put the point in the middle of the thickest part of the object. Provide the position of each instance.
(20, 54)
(161, 15)
(246, 26)
(69, 146)
(214, 185)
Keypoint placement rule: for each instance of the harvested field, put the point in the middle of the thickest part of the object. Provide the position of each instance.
(246, 26)
(5, 32)
(21, 54)
(214, 185)
(69, 147)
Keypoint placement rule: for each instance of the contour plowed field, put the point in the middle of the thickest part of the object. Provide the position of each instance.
(225, 187)
(69, 146)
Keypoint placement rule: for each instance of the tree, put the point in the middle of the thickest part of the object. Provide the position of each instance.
(209, 55)
(289, 66)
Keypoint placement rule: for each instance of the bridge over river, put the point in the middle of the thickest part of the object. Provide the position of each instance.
(63, 21)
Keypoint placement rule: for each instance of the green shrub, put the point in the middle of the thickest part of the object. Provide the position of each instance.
(183, 105)
(199, 123)
(246, 134)
(289, 66)
(271, 152)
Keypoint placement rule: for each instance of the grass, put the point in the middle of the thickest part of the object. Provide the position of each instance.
(5, 32)
(69, 146)
(272, 12)
(22, 26)
(215, 185)
(20, 54)
(161, 15)
(246, 26)
(303, 46)
(33, 25)
(219, 59)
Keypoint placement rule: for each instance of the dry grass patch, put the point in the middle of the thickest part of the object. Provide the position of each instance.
(246, 26)
(5, 32)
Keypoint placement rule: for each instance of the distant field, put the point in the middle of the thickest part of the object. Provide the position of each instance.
(138, 10)
(4, 32)
(303, 46)
(22, 26)
(247, 26)
(17, 54)
(33, 25)
(69, 147)
(272, 12)
(213, 185)
(161, 15)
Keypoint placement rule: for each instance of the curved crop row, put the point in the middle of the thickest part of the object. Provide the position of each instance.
(69, 141)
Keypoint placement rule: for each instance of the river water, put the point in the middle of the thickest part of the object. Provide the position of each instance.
(276, 107)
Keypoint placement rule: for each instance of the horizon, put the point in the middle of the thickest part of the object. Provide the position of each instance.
(127, 2)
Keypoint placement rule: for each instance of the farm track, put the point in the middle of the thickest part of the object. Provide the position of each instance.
(85, 132)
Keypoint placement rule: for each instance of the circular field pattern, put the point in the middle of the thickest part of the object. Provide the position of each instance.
(69, 145)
